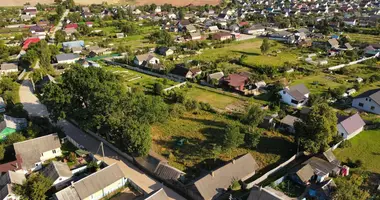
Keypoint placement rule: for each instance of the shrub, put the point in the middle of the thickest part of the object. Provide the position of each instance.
(345, 144)
(191, 104)
(206, 107)
(235, 185)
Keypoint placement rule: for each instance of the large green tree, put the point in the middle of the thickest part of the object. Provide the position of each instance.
(233, 138)
(265, 46)
(349, 188)
(35, 187)
(253, 116)
(317, 130)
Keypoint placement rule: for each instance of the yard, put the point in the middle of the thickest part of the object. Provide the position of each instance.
(251, 48)
(137, 79)
(216, 100)
(188, 143)
(364, 38)
(320, 83)
(365, 147)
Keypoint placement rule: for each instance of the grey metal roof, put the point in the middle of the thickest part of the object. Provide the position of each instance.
(216, 75)
(267, 193)
(57, 169)
(290, 120)
(68, 193)
(8, 66)
(30, 150)
(352, 123)
(7, 180)
(305, 173)
(98, 181)
(373, 94)
(321, 165)
(209, 185)
(157, 195)
(66, 56)
(298, 92)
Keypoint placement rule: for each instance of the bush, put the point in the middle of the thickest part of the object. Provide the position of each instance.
(345, 144)
(176, 110)
(235, 186)
(191, 104)
(206, 107)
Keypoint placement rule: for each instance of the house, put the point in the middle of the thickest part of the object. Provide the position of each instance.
(195, 36)
(7, 181)
(287, 123)
(159, 166)
(7, 68)
(222, 36)
(76, 50)
(90, 24)
(30, 11)
(303, 175)
(58, 172)
(157, 195)
(236, 81)
(120, 35)
(72, 44)
(218, 181)
(190, 28)
(333, 43)
(215, 77)
(282, 36)
(213, 29)
(145, 59)
(94, 186)
(67, 58)
(255, 30)
(96, 50)
(36, 151)
(11, 125)
(349, 127)
(29, 41)
(37, 32)
(182, 72)
(69, 32)
(350, 22)
(267, 193)
(368, 101)
(182, 23)
(296, 96)
(165, 51)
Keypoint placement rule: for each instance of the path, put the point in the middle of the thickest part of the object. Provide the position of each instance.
(59, 25)
(34, 107)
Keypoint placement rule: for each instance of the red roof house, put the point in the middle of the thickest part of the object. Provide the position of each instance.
(71, 26)
(29, 41)
(236, 81)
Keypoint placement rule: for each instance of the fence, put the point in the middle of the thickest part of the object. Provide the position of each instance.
(266, 175)
(21, 76)
(353, 62)
(175, 86)
(79, 169)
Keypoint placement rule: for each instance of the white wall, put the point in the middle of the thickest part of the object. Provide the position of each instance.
(286, 98)
(68, 61)
(367, 104)
(49, 154)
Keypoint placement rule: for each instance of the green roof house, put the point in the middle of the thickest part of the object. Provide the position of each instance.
(11, 125)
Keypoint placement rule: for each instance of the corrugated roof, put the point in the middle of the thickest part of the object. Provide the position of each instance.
(66, 56)
(267, 193)
(98, 181)
(68, 193)
(352, 124)
(305, 173)
(157, 195)
(30, 150)
(298, 92)
(8, 66)
(209, 185)
(57, 169)
(290, 120)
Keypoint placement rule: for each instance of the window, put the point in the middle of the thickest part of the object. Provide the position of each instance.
(42, 154)
(370, 100)
(342, 134)
(36, 164)
(366, 99)
(283, 92)
(372, 107)
(361, 104)
(54, 151)
(294, 101)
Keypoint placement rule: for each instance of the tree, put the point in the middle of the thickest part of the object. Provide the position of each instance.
(318, 128)
(2, 151)
(13, 138)
(252, 138)
(84, 29)
(161, 37)
(233, 138)
(265, 46)
(158, 88)
(181, 14)
(349, 188)
(60, 36)
(253, 116)
(35, 187)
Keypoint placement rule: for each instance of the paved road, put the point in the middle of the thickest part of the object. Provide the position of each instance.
(30, 101)
(59, 25)
(35, 108)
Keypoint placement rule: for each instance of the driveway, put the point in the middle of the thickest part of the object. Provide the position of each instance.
(34, 107)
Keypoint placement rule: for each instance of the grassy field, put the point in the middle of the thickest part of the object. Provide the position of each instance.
(216, 100)
(365, 147)
(319, 83)
(364, 38)
(137, 79)
(201, 131)
(251, 48)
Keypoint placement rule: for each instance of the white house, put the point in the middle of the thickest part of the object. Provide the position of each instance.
(7, 68)
(58, 172)
(7, 181)
(36, 151)
(296, 96)
(67, 58)
(142, 60)
(368, 101)
(95, 186)
(349, 127)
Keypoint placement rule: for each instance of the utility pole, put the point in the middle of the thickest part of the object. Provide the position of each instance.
(101, 146)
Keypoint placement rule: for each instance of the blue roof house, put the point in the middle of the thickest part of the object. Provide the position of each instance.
(71, 44)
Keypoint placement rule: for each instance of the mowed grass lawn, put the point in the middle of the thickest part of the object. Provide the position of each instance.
(320, 83)
(216, 100)
(251, 48)
(365, 147)
(364, 38)
(201, 131)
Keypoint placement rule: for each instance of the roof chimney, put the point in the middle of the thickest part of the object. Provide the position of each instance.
(233, 161)
(72, 183)
(213, 174)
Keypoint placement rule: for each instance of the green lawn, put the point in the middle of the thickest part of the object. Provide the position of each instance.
(365, 147)
(319, 83)
(364, 38)
(216, 100)
(251, 48)
(201, 131)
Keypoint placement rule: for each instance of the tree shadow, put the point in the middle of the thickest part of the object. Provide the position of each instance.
(247, 53)
(207, 122)
(276, 145)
